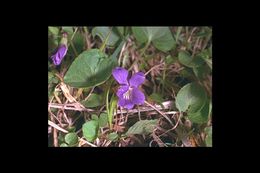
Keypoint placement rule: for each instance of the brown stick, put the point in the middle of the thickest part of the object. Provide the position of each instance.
(167, 118)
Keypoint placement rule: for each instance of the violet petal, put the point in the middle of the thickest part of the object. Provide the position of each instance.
(137, 79)
(120, 75)
(125, 103)
(137, 96)
(121, 90)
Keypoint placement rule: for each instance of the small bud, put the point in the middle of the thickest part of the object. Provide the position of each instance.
(58, 56)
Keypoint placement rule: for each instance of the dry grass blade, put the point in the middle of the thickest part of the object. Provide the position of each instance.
(83, 142)
(74, 106)
(56, 126)
(66, 93)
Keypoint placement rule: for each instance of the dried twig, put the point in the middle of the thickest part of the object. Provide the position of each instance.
(83, 141)
(174, 126)
(73, 106)
(89, 93)
(157, 139)
(56, 126)
(153, 68)
(160, 112)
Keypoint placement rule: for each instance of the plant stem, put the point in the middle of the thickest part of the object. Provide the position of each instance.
(105, 42)
(108, 111)
(71, 42)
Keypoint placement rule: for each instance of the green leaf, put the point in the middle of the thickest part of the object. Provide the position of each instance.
(115, 54)
(103, 32)
(61, 138)
(71, 139)
(90, 130)
(103, 119)
(201, 71)
(140, 35)
(186, 59)
(165, 42)
(186, 72)
(54, 30)
(64, 145)
(142, 127)
(200, 116)
(179, 29)
(94, 100)
(208, 139)
(113, 136)
(205, 54)
(170, 60)
(94, 117)
(52, 78)
(191, 97)
(90, 68)
(79, 42)
(161, 37)
(120, 29)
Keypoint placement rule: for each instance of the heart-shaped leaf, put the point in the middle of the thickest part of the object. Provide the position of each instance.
(191, 97)
(202, 115)
(90, 68)
(113, 136)
(90, 130)
(142, 127)
(94, 100)
(202, 71)
(78, 41)
(186, 59)
(54, 30)
(71, 139)
(94, 117)
(64, 145)
(103, 32)
(161, 37)
(103, 119)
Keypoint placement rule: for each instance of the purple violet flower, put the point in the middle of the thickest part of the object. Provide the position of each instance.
(128, 92)
(59, 55)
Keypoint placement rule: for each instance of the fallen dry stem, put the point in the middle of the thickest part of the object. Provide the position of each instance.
(153, 68)
(56, 126)
(160, 112)
(83, 142)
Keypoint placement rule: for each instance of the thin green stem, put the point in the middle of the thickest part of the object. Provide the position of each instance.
(107, 107)
(74, 33)
(71, 42)
(105, 42)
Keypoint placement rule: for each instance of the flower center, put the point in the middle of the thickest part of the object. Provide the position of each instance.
(128, 94)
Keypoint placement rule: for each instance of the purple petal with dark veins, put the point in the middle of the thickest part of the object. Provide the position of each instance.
(121, 90)
(125, 103)
(120, 75)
